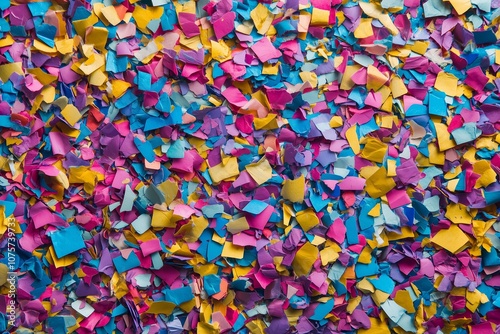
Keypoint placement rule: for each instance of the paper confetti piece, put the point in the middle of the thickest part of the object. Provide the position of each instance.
(293, 190)
(67, 241)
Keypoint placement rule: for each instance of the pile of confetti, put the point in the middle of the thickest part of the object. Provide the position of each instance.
(295, 166)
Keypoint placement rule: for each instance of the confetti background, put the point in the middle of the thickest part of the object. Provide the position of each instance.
(250, 167)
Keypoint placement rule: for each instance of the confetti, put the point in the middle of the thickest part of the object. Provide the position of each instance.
(250, 167)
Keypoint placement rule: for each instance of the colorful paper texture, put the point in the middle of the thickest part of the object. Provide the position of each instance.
(250, 167)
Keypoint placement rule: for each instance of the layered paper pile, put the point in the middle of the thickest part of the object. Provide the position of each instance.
(251, 167)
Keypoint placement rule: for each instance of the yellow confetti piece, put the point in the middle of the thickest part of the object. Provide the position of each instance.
(262, 18)
(224, 171)
(304, 259)
(293, 190)
(7, 41)
(387, 105)
(161, 307)
(97, 36)
(191, 231)
(310, 77)
(452, 185)
(453, 173)
(6, 70)
(404, 300)
(443, 237)
(111, 15)
(245, 28)
(63, 179)
(352, 139)
(420, 47)
(92, 64)
(82, 25)
(391, 168)
(218, 239)
(63, 261)
(374, 150)
(169, 189)
(353, 304)
(375, 11)
(143, 16)
(364, 28)
(347, 83)
(293, 315)
(446, 83)
(119, 87)
(233, 251)
(336, 121)
(458, 214)
(238, 225)
(379, 183)
(379, 297)
(44, 77)
(487, 143)
(473, 299)
(375, 211)
(206, 328)
(271, 69)
(365, 286)
(307, 219)
(241, 271)
(118, 285)
(71, 114)
(375, 78)
(260, 171)
(267, 123)
(328, 255)
(461, 6)
(162, 219)
(3, 273)
(365, 256)
(398, 87)
(85, 175)
(445, 142)
(256, 326)
(220, 51)
(13, 141)
(48, 94)
(320, 17)
(207, 269)
(98, 78)
(436, 156)
(488, 175)
(480, 229)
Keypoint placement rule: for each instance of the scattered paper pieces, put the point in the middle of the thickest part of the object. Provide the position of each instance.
(252, 167)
